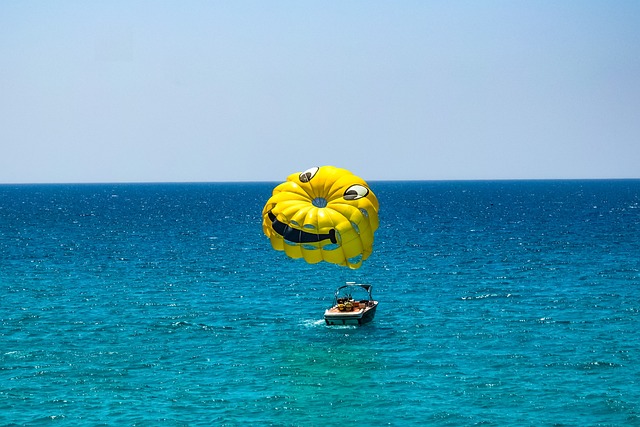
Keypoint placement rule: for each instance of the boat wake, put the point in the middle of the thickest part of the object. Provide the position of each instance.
(312, 323)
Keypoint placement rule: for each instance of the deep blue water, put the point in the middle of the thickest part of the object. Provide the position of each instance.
(501, 303)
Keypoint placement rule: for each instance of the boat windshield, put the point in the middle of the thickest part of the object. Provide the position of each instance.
(345, 293)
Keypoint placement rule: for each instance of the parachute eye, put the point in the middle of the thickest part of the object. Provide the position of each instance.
(307, 175)
(356, 192)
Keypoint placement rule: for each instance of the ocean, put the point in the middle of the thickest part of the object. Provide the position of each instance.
(502, 303)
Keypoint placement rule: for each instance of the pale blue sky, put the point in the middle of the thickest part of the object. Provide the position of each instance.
(137, 91)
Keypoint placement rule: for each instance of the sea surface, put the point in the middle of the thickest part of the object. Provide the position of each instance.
(502, 303)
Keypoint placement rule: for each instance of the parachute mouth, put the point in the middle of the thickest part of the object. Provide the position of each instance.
(299, 236)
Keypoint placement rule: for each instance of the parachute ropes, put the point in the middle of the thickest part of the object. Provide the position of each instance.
(322, 214)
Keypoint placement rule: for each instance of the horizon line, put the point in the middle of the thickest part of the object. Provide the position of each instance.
(282, 180)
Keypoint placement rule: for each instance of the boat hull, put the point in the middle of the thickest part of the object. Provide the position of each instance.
(333, 316)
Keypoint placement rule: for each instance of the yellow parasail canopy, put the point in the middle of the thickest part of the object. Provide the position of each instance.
(322, 214)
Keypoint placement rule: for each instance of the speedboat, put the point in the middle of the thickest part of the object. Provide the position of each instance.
(349, 311)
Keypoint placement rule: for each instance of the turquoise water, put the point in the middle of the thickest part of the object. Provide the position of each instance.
(501, 303)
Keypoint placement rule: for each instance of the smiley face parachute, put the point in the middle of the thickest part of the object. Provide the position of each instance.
(322, 214)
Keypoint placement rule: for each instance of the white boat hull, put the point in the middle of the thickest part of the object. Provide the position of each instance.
(358, 316)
